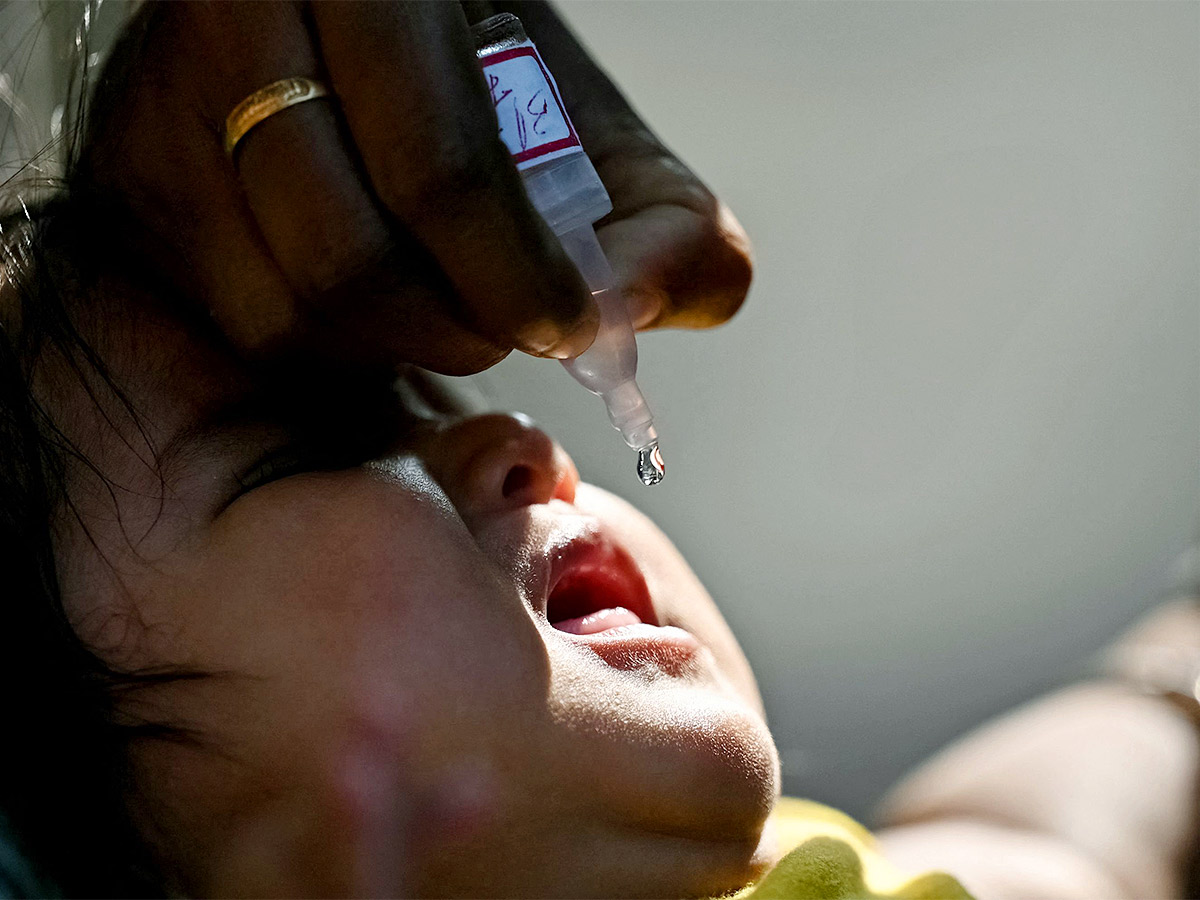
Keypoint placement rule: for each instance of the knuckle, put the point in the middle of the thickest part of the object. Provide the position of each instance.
(262, 324)
(339, 266)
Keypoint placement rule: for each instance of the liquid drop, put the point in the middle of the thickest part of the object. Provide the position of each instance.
(650, 465)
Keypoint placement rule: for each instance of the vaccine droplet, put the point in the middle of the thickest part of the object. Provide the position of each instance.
(651, 467)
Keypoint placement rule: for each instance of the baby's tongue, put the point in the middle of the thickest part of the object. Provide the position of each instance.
(600, 620)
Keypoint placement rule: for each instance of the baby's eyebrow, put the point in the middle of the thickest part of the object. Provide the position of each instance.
(266, 414)
(216, 428)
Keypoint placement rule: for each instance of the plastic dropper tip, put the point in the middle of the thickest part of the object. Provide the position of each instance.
(650, 466)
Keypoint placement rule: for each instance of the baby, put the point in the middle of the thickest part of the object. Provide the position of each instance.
(335, 636)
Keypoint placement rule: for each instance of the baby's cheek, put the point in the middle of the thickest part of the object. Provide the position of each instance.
(337, 593)
(388, 578)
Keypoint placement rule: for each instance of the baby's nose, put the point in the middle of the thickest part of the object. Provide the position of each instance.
(495, 463)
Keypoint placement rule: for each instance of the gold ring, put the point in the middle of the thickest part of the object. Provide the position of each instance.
(265, 102)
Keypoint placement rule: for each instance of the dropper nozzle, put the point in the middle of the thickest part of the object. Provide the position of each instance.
(609, 367)
(630, 415)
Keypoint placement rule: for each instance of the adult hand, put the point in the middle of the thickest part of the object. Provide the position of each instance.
(388, 225)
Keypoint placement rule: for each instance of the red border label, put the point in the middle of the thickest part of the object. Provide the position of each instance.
(561, 143)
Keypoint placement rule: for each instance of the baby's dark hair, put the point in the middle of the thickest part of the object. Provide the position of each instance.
(63, 774)
(60, 782)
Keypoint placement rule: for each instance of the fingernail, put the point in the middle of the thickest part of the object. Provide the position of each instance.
(539, 337)
(544, 337)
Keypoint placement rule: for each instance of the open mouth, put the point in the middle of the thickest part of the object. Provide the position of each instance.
(599, 600)
(598, 588)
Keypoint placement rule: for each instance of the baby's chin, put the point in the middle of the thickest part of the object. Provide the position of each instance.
(685, 757)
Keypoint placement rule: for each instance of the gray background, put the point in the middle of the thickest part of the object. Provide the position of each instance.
(952, 443)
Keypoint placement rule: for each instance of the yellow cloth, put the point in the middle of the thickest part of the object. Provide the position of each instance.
(829, 856)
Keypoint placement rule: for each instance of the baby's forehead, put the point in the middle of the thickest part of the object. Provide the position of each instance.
(146, 381)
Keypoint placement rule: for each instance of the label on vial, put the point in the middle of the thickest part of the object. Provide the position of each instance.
(534, 124)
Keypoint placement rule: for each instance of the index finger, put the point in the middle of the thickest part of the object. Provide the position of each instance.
(417, 106)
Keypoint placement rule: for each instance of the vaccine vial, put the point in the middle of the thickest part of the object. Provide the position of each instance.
(565, 189)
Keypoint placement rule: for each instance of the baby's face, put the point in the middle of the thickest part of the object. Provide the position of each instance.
(446, 586)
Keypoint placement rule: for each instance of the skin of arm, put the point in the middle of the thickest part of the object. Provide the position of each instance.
(1089, 792)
